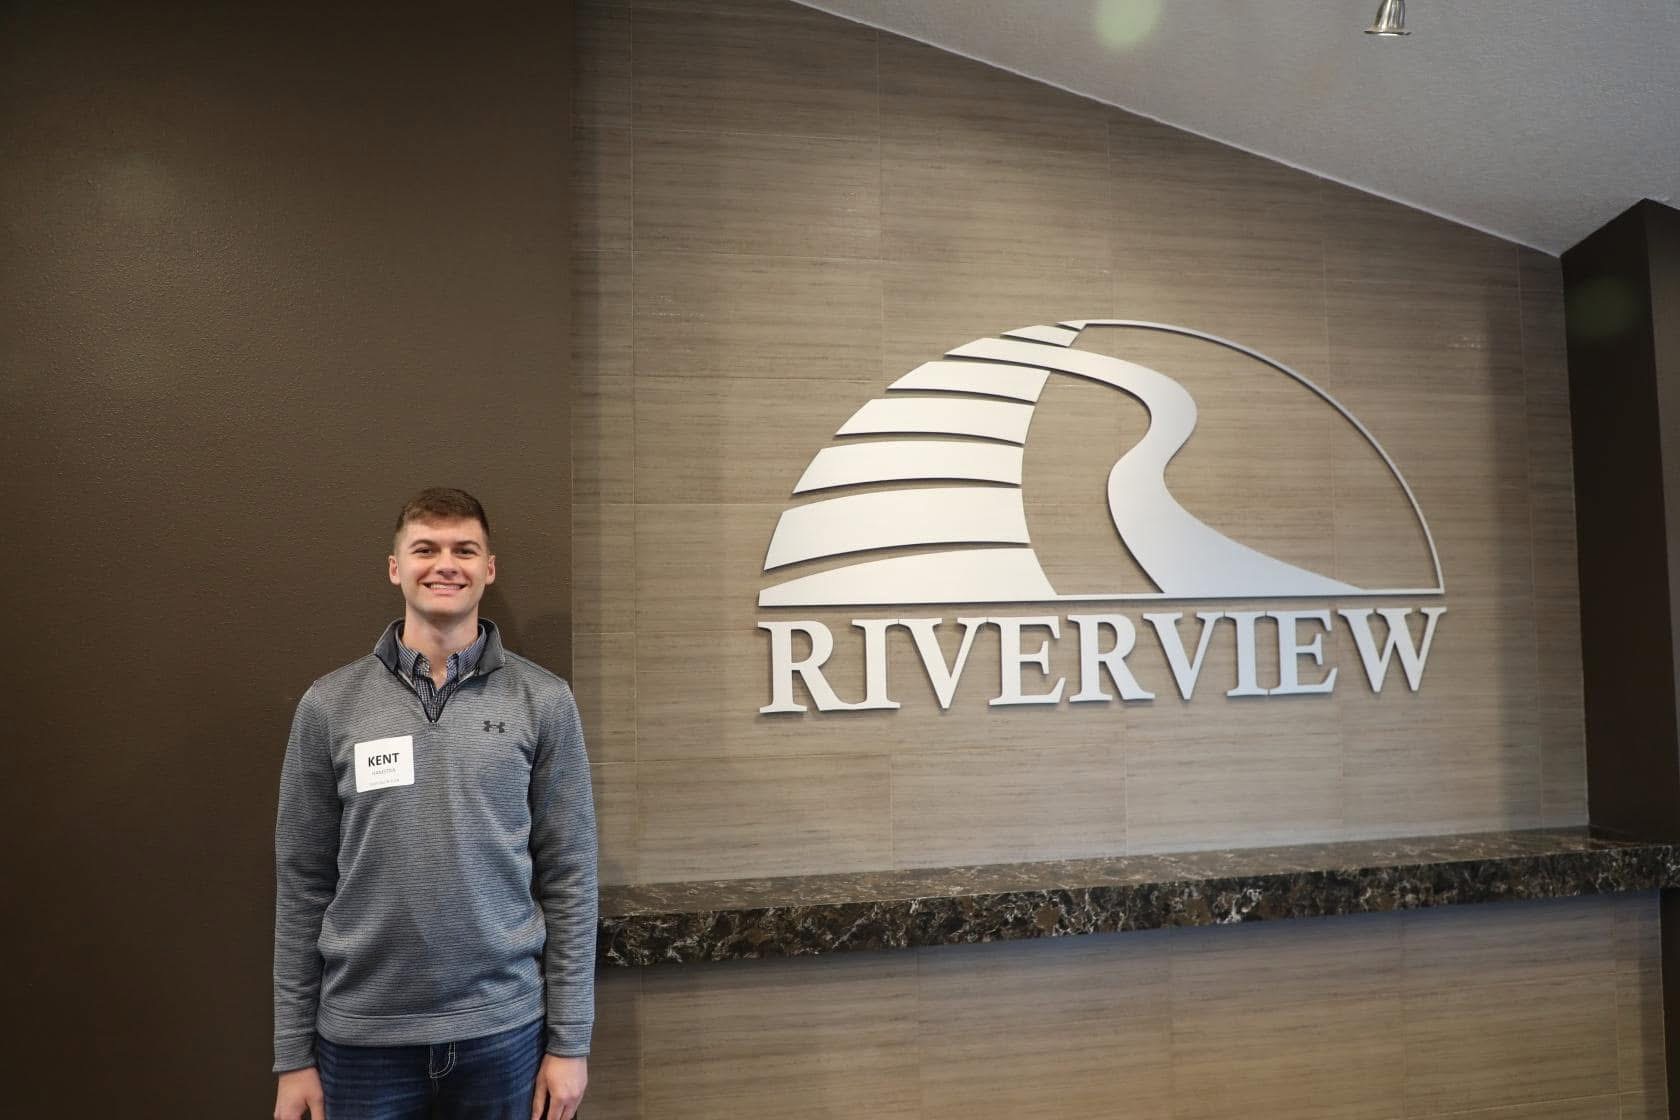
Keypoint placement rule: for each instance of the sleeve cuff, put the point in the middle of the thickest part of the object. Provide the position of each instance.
(295, 1053)
(569, 1040)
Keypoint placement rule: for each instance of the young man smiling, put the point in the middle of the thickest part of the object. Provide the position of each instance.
(434, 934)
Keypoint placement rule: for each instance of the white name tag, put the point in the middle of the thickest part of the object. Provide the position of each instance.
(381, 763)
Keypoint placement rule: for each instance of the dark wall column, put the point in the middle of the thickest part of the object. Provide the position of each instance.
(1624, 387)
(265, 269)
(1622, 292)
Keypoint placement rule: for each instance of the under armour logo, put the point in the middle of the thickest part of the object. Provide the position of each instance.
(501, 727)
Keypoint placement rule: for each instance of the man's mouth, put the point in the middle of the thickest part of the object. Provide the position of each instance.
(444, 586)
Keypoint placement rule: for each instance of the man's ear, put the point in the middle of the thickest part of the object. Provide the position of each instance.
(489, 568)
(391, 561)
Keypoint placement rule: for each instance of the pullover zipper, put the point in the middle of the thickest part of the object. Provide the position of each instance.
(459, 681)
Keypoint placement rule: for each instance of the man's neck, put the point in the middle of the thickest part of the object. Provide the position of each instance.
(436, 641)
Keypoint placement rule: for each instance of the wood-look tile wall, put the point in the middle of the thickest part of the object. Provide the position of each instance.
(1515, 1011)
(779, 212)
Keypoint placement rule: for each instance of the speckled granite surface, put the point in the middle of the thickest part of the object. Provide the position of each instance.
(805, 915)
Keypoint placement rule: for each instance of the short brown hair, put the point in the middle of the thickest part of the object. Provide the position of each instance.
(443, 503)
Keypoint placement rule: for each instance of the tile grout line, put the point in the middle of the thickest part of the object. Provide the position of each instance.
(1528, 504)
(893, 855)
(1110, 221)
(1335, 537)
(637, 831)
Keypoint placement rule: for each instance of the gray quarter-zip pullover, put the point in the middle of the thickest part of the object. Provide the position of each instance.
(435, 878)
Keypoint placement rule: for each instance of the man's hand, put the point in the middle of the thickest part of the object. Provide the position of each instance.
(560, 1084)
(300, 1092)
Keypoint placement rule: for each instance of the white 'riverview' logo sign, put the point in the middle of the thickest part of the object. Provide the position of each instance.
(961, 424)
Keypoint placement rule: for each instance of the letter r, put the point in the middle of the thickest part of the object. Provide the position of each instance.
(783, 667)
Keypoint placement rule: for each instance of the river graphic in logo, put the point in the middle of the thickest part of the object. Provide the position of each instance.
(965, 420)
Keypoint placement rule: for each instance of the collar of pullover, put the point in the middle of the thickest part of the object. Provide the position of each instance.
(459, 664)
(388, 651)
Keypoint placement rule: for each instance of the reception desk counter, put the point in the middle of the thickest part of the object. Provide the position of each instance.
(807, 915)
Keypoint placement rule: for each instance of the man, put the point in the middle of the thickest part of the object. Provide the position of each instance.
(434, 934)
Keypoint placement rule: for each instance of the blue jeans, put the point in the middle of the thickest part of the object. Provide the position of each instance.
(489, 1078)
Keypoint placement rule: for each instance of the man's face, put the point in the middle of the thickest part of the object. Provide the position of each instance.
(443, 567)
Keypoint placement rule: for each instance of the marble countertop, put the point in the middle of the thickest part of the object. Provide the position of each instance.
(737, 919)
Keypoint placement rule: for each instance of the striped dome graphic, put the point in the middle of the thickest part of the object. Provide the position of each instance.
(965, 419)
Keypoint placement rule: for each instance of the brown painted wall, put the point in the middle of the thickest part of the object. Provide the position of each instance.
(266, 269)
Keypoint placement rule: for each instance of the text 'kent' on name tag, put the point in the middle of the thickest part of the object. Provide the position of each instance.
(382, 763)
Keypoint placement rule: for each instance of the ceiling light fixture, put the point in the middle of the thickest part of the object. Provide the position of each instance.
(1391, 19)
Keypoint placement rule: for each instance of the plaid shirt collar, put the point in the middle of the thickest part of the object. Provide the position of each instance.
(416, 668)
(491, 658)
